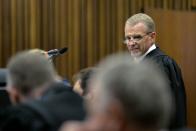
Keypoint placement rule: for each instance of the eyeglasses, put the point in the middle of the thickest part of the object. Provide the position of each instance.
(134, 38)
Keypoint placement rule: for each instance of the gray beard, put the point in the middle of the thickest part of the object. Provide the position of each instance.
(136, 55)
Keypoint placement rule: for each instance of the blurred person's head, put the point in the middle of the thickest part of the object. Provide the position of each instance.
(82, 79)
(28, 76)
(39, 51)
(139, 34)
(130, 95)
(45, 54)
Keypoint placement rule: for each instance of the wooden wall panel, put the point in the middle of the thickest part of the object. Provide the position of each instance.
(1, 35)
(176, 36)
(91, 29)
(13, 29)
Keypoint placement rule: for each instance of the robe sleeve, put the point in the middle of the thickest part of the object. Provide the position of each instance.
(177, 85)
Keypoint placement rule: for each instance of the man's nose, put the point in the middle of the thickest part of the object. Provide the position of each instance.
(131, 43)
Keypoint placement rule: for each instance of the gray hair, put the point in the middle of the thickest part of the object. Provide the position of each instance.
(27, 71)
(141, 88)
(142, 18)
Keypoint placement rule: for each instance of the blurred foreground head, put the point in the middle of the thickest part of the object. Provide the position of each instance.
(39, 51)
(132, 96)
(28, 75)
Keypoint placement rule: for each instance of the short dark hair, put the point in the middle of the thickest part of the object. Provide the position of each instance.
(84, 76)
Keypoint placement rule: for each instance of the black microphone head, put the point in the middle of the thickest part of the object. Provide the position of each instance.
(61, 51)
(53, 52)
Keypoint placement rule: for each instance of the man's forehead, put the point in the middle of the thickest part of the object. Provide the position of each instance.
(139, 28)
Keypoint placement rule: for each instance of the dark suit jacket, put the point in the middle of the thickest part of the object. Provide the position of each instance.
(58, 104)
(173, 72)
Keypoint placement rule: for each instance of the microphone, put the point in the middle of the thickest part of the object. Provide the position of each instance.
(56, 52)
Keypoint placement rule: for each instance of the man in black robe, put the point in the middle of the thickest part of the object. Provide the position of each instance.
(140, 40)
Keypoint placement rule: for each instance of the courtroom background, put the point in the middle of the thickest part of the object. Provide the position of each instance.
(93, 29)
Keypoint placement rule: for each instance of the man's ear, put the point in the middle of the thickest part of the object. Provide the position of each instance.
(153, 36)
(14, 95)
(77, 87)
(116, 109)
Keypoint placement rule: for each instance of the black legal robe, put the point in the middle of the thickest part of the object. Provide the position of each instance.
(173, 72)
